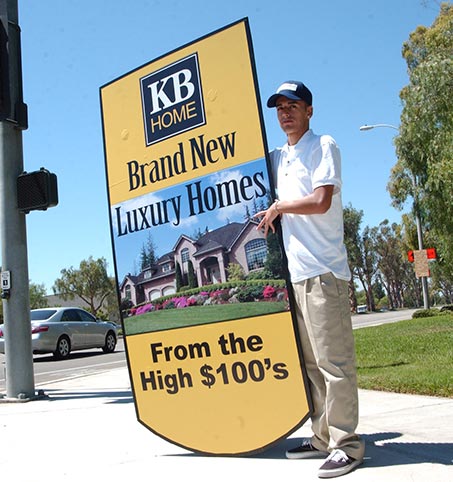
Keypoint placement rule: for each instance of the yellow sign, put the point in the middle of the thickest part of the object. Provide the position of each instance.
(222, 388)
(149, 101)
(213, 357)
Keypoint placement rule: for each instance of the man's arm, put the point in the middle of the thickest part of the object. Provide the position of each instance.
(318, 202)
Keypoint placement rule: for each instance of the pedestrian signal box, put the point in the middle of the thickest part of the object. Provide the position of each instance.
(36, 191)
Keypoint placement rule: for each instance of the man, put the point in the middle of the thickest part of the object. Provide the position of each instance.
(308, 182)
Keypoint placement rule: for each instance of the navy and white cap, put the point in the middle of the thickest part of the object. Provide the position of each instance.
(292, 89)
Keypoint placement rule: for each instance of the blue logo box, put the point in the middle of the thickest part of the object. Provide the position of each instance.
(172, 100)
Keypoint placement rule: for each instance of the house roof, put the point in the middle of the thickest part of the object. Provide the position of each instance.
(133, 279)
(220, 238)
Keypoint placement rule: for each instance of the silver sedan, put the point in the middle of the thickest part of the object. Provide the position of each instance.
(62, 330)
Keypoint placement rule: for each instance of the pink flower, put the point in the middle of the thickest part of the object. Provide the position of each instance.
(269, 292)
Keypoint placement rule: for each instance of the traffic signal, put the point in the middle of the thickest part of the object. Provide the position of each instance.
(36, 191)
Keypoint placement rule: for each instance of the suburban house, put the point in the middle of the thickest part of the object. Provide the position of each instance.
(210, 255)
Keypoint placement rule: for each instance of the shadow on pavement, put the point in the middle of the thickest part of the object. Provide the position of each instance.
(378, 453)
(382, 451)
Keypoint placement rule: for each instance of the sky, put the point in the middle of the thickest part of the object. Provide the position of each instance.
(347, 52)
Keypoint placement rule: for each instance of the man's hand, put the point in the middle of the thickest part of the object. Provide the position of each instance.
(269, 215)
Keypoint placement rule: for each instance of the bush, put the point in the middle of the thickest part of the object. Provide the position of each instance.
(446, 308)
(250, 293)
(235, 272)
(261, 274)
(426, 313)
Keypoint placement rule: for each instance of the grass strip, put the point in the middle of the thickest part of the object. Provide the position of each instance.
(413, 356)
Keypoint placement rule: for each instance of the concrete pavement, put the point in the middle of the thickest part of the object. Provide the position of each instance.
(87, 430)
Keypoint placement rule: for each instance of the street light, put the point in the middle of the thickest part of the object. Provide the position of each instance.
(416, 214)
(368, 128)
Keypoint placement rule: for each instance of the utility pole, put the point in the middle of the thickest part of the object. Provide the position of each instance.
(16, 302)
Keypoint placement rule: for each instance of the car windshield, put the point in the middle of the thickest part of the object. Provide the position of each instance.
(41, 314)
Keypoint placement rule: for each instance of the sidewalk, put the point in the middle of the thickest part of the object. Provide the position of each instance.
(87, 430)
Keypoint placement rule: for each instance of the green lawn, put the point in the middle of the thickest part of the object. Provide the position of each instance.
(413, 356)
(198, 315)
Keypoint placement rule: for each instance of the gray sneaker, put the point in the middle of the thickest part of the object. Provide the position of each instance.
(337, 463)
(305, 451)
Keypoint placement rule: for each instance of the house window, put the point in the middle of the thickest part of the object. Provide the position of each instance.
(256, 252)
(127, 292)
(166, 267)
(185, 255)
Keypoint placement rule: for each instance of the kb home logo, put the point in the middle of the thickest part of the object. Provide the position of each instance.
(172, 100)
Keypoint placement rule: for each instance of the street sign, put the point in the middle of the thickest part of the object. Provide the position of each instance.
(6, 280)
(214, 360)
(421, 263)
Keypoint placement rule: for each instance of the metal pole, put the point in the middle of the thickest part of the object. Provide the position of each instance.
(16, 303)
(420, 246)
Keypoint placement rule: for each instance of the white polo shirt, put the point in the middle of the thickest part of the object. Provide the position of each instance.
(314, 243)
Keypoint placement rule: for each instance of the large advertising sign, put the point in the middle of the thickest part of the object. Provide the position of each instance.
(211, 344)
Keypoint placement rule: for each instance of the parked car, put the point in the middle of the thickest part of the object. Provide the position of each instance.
(62, 330)
(362, 309)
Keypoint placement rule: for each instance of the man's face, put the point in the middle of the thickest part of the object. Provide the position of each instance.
(293, 116)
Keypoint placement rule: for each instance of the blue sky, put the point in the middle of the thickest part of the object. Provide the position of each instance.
(348, 53)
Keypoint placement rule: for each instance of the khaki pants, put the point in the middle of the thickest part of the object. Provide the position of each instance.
(324, 320)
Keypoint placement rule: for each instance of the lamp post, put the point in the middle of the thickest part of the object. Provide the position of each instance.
(416, 214)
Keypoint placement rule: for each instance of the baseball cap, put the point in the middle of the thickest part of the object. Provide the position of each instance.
(292, 89)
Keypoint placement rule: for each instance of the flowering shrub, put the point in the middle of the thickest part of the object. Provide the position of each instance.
(269, 292)
(180, 302)
(192, 300)
(220, 296)
(144, 309)
(223, 294)
(168, 304)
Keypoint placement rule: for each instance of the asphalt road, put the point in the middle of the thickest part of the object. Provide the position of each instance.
(374, 319)
(79, 363)
(86, 362)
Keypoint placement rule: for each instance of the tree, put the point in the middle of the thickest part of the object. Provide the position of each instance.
(199, 233)
(37, 296)
(424, 170)
(388, 247)
(352, 220)
(274, 259)
(368, 266)
(148, 254)
(90, 283)
(191, 276)
(179, 278)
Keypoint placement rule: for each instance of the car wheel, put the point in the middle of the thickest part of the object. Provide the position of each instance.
(63, 348)
(110, 343)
